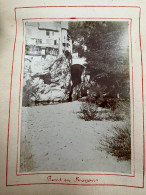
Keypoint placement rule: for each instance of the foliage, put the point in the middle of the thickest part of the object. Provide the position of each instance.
(116, 110)
(109, 103)
(123, 109)
(88, 111)
(27, 49)
(29, 92)
(97, 95)
(118, 143)
(107, 53)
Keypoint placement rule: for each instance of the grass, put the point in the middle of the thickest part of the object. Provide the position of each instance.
(118, 141)
(118, 144)
(89, 111)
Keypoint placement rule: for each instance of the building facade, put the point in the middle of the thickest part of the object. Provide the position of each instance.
(47, 38)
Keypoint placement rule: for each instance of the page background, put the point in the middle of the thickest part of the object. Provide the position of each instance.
(7, 37)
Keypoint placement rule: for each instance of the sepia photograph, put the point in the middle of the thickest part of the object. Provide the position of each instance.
(76, 112)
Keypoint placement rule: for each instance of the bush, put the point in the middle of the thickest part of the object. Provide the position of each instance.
(27, 90)
(123, 107)
(112, 115)
(95, 94)
(109, 103)
(117, 111)
(118, 144)
(88, 111)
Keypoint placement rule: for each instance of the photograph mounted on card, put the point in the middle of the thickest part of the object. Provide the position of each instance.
(76, 97)
(75, 76)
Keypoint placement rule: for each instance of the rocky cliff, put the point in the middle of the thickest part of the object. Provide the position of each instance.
(46, 80)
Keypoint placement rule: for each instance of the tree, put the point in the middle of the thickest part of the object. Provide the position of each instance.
(107, 53)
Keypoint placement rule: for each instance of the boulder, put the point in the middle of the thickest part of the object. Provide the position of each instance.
(44, 97)
(57, 95)
(50, 80)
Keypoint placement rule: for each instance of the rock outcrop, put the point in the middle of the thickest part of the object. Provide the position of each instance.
(46, 80)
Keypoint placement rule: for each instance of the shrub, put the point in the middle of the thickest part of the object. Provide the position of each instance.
(95, 94)
(88, 111)
(123, 107)
(115, 116)
(27, 90)
(109, 103)
(121, 111)
(118, 144)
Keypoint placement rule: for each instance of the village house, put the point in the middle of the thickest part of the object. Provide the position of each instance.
(48, 38)
(43, 41)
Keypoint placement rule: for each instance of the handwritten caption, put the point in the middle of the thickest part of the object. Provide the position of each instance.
(75, 179)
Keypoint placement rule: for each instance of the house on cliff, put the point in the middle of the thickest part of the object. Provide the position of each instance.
(47, 38)
(60, 74)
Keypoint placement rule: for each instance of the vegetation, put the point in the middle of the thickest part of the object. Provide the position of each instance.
(27, 92)
(88, 111)
(105, 47)
(118, 143)
(91, 111)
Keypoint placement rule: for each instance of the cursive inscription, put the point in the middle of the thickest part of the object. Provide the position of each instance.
(78, 179)
(71, 180)
(51, 179)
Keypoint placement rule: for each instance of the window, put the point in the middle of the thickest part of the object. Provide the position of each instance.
(68, 37)
(52, 33)
(55, 42)
(38, 41)
(48, 33)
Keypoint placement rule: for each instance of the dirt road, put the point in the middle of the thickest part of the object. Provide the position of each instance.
(53, 138)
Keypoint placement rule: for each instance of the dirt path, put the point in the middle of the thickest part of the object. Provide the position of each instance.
(60, 141)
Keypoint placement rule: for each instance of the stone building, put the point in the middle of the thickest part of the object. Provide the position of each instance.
(47, 38)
